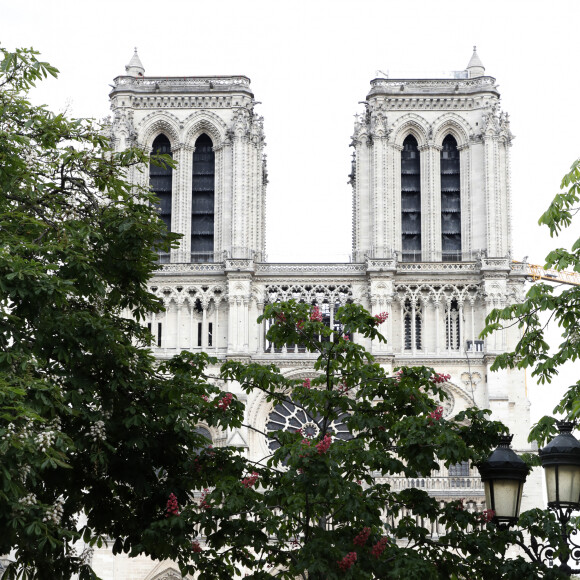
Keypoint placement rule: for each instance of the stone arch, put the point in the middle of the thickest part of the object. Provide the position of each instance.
(451, 124)
(156, 123)
(204, 122)
(410, 124)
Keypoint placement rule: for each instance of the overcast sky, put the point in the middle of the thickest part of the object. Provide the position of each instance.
(310, 63)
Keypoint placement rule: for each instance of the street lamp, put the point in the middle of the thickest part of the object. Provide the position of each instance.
(503, 475)
(561, 462)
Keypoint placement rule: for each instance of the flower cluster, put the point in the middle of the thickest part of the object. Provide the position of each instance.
(347, 561)
(342, 387)
(306, 383)
(195, 546)
(300, 325)
(44, 440)
(54, 513)
(379, 547)
(487, 516)
(440, 378)
(172, 507)
(324, 445)
(380, 318)
(202, 501)
(281, 317)
(205, 398)
(346, 337)
(97, 431)
(316, 315)
(250, 481)
(436, 414)
(225, 401)
(29, 499)
(362, 537)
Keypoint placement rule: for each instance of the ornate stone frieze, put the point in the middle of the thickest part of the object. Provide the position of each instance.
(301, 269)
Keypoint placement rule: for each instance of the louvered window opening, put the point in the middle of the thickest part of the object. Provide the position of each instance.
(410, 201)
(450, 201)
(452, 327)
(161, 182)
(408, 314)
(202, 201)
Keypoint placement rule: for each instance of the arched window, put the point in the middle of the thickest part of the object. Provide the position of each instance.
(410, 201)
(202, 201)
(450, 201)
(412, 322)
(452, 326)
(161, 180)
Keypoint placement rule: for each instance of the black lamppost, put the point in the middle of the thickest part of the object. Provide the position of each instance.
(503, 476)
(504, 473)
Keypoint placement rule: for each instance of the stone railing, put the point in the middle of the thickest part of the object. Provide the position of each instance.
(305, 269)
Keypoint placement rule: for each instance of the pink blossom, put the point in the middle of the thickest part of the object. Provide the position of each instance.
(172, 508)
(487, 516)
(306, 383)
(300, 325)
(346, 337)
(205, 397)
(440, 378)
(436, 414)
(362, 537)
(316, 315)
(225, 401)
(202, 500)
(379, 547)
(250, 481)
(380, 318)
(347, 561)
(196, 547)
(324, 445)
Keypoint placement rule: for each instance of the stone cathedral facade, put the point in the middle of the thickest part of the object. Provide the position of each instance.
(430, 244)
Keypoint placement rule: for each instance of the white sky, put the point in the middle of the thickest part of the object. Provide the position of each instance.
(310, 65)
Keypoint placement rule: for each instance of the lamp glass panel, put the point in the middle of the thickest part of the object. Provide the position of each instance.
(506, 495)
(568, 480)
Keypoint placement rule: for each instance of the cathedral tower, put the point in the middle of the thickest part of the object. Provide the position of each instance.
(216, 195)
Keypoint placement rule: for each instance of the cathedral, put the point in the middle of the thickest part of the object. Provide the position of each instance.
(431, 245)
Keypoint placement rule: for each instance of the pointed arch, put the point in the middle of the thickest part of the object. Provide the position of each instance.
(451, 123)
(410, 124)
(206, 122)
(157, 123)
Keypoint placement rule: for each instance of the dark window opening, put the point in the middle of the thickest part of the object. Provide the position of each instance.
(199, 333)
(161, 181)
(408, 326)
(410, 201)
(202, 201)
(210, 334)
(450, 201)
(452, 326)
(159, 334)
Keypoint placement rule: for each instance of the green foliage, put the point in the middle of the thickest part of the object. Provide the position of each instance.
(319, 499)
(559, 306)
(94, 435)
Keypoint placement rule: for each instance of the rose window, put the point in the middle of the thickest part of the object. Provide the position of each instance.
(286, 416)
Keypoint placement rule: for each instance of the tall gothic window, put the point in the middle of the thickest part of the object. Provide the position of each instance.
(413, 323)
(453, 338)
(202, 201)
(410, 201)
(161, 179)
(450, 201)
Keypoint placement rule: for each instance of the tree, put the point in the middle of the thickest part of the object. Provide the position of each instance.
(94, 435)
(320, 506)
(546, 304)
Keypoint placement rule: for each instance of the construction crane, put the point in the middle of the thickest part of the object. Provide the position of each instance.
(536, 272)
